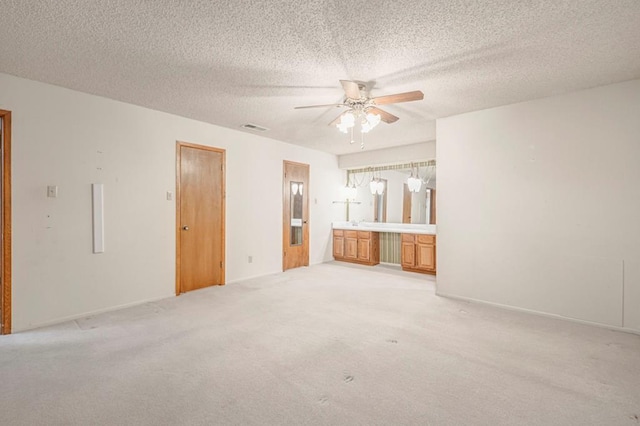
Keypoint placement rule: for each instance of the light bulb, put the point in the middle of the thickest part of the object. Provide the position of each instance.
(414, 184)
(373, 120)
(373, 186)
(347, 119)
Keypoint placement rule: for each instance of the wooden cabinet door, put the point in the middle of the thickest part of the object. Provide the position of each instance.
(408, 254)
(426, 257)
(338, 246)
(351, 247)
(364, 250)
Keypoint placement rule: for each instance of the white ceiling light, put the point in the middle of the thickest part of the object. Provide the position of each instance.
(363, 109)
(354, 116)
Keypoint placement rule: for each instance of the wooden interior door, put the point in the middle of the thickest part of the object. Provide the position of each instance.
(5, 223)
(406, 204)
(432, 207)
(200, 217)
(295, 213)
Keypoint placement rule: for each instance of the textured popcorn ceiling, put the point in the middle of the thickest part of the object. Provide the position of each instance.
(247, 61)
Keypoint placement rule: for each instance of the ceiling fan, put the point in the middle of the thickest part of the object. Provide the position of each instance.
(360, 104)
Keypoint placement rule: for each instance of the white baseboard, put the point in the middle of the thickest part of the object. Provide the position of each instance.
(539, 313)
(90, 313)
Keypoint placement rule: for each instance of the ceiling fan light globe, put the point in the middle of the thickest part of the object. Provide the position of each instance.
(373, 119)
(348, 119)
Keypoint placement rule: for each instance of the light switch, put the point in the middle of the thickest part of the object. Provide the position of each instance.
(52, 191)
(169, 195)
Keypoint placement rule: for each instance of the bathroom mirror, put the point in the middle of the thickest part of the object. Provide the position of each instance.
(397, 203)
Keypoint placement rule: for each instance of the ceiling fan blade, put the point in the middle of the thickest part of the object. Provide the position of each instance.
(384, 116)
(351, 89)
(337, 120)
(399, 97)
(319, 106)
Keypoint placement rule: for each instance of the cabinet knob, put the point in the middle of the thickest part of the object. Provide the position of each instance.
(186, 228)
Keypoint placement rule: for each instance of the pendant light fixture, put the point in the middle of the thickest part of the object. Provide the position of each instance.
(414, 182)
(376, 186)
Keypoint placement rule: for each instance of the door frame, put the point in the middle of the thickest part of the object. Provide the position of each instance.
(179, 145)
(287, 207)
(5, 223)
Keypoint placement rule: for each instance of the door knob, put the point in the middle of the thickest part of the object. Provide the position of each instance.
(186, 228)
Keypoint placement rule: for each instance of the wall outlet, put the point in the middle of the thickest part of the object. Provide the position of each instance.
(52, 191)
(250, 259)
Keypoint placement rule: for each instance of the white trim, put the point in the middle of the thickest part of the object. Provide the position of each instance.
(539, 313)
(90, 313)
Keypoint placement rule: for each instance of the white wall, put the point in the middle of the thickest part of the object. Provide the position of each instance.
(70, 139)
(539, 205)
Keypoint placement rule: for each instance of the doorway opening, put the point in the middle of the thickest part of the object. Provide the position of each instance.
(200, 217)
(5, 223)
(295, 214)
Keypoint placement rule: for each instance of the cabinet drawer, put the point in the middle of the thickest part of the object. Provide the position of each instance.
(351, 234)
(408, 238)
(364, 235)
(426, 239)
(338, 232)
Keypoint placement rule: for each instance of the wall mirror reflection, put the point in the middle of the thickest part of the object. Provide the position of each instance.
(401, 193)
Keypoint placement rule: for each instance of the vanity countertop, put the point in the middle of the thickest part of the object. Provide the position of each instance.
(397, 228)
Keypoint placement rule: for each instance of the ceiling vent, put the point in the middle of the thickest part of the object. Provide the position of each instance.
(254, 127)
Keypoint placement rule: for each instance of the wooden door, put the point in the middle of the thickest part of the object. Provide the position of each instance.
(295, 214)
(200, 217)
(406, 204)
(432, 207)
(5, 223)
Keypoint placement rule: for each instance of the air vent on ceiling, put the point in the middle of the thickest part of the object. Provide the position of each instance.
(254, 127)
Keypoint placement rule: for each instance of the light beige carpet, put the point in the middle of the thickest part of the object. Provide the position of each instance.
(330, 344)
